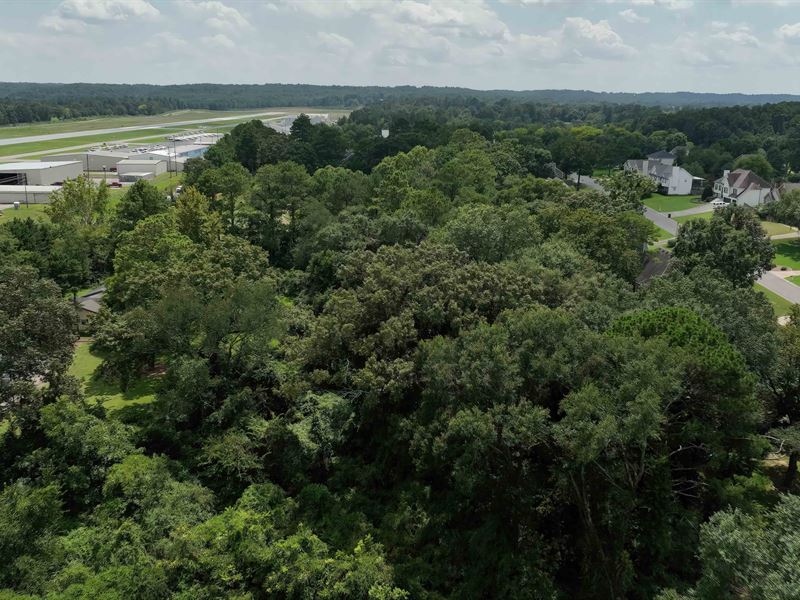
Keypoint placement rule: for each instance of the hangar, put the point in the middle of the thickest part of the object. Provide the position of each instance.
(26, 194)
(39, 173)
(132, 169)
(94, 160)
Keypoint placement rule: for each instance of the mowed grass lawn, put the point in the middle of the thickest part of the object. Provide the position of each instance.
(85, 141)
(780, 305)
(787, 253)
(662, 234)
(704, 216)
(34, 211)
(71, 125)
(668, 204)
(776, 228)
(84, 366)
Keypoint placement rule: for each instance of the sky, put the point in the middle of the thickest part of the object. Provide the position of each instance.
(749, 46)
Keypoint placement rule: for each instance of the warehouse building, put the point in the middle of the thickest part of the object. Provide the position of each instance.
(26, 194)
(94, 160)
(39, 173)
(134, 169)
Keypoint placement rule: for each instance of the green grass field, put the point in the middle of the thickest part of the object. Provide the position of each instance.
(667, 204)
(780, 305)
(53, 146)
(776, 228)
(662, 234)
(83, 367)
(705, 216)
(90, 124)
(787, 253)
(34, 211)
(795, 280)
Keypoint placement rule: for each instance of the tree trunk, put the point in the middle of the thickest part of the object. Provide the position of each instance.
(578, 182)
(791, 470)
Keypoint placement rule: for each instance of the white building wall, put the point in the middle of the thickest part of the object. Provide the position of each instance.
(156, 167)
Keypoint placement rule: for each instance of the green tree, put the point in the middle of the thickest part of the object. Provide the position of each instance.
(627, 189)
(79, 202)
(757, 163)
(733, 242)
(140, 201)
(36, 334)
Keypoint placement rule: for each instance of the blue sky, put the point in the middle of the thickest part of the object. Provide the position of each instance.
(746, 46)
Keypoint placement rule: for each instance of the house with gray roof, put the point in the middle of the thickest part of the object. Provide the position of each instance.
(742, 186)
(671, 179)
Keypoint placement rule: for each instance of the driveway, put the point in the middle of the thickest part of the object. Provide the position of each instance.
(695, 210)
(661, 220)
(586, 181)
(783, 288)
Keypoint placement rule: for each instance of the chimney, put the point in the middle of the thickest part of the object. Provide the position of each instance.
(725, 173)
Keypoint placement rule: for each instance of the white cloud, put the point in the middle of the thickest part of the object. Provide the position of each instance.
(57, 23)
(577, 39)
(466, 19)
(333, 43)
(725, 45)
(217, 15)
(219, 40)
(106, 10)
(670, 4)
(74, 16)
(789, 33)
(631, 16)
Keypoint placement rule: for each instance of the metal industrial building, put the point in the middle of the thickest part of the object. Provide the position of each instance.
(39, 173)
(26, 194)
(94, 160)
(134, 169)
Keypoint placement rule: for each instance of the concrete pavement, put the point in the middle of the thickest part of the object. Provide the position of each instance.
(781, 287)
(695, 210)
(771, 281)
(72, 134)
(661, 220)
(586, 181)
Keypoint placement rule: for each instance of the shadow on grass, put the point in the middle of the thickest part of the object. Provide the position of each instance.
(787, 253)
(140, 391)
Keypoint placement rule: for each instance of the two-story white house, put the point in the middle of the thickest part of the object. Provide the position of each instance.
(742, 186)
(671, 179)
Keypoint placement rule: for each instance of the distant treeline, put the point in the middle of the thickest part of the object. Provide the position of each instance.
(32, 102)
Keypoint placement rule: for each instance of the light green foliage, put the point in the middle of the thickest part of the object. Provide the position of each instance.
(79, 202)
(489, 233)
(749, 555)
(627, 189)
(757, 163)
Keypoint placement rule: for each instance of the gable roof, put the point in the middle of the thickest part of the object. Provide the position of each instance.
(662, 154)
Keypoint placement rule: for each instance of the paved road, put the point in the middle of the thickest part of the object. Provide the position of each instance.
(661, 220)
(72, 134)
(786, 236)
(772, 282)
(696, 210)
(783, 288)
(586, 181)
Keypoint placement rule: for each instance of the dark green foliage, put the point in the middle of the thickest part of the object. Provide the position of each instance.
(431, 378)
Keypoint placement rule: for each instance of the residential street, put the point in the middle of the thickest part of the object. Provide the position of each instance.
(772, 282)
(783, 288)
(586, 181)
(661, 220)
(696, 210)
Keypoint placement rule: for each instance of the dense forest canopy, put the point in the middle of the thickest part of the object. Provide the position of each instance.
(395, 368)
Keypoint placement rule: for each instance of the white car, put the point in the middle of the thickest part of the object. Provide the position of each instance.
(718, 203)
